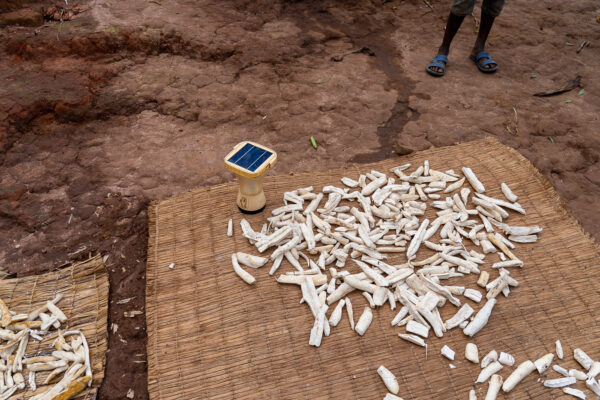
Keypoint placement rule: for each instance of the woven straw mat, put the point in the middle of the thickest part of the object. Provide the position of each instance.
(212, 336)
(84, 290)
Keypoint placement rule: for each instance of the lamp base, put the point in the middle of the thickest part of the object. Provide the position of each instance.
(251, 198)
(251, 212)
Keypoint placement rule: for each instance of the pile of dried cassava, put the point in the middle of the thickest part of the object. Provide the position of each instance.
(493, 362)
(376, 217)
(72, 360)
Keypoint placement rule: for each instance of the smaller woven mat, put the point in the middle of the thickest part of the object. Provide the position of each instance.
(84, 290)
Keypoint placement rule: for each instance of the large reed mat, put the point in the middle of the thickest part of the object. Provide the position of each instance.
(212, 336)
(84, 287)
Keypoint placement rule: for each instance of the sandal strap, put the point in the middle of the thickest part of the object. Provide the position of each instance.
(482, 54)
(486, 62)
(436, 64)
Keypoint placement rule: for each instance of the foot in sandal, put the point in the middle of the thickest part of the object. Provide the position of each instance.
(437, 66)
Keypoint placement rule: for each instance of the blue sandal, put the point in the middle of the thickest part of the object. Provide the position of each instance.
(488, 60)
(438, 61)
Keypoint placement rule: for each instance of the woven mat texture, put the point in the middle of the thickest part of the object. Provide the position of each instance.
(84, 290)
(211, 336)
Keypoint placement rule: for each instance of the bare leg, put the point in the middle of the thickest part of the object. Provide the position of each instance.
(454, 22)
(487, 21)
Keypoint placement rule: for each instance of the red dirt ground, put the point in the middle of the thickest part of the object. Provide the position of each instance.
(137, 100)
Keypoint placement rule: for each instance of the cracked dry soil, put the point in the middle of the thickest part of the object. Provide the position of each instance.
(135, 101)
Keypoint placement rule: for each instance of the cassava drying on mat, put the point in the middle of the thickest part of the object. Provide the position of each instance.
(492, 363)
(70, 359)
(343, 240)
(389, 379)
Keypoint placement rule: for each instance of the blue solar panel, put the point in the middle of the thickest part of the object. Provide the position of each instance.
(250, 157)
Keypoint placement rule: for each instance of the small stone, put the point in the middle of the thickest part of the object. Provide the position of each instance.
(23, 17)
(130, 394)
(402, 150)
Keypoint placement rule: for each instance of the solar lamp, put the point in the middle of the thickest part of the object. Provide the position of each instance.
(249, 161)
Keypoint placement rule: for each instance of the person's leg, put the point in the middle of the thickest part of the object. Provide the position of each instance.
(452, 26)
(489, 11)
(458, 11)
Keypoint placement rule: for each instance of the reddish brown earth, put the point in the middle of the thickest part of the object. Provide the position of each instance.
(137, 100)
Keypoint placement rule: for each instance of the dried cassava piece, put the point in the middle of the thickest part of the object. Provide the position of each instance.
(520, 230)
(523, 239)
(390, 396)
(508, 264)
(489, 358)
(349, 182)
(364, 321)
(316, 333)
(6, 315)
(388, 379)
(594, 370)
(417, 328)
(9, 392)
(456, 185)
(250, 260)
(494, 387)
(488, 371)
(593, 385)
(506, 359)
(413, 339)
(32, 384)
(579, 375)
(461, 316)
(54, 374)
(473, 294)
(560, 370)
(318, 279)
(35, 313)
(510, 196)
(448, 353)
(472, 353)
(559, 350)
(73, 388)
(484, 276)
(245, 276)
(19, 381)
(560, 382)
(475, 183)
(582, 358)
(350, 313)
(230, 228)
(417, 239)
(522, 371)
(575, 393)
(543, 363)
(481, 318)
(336, 315)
